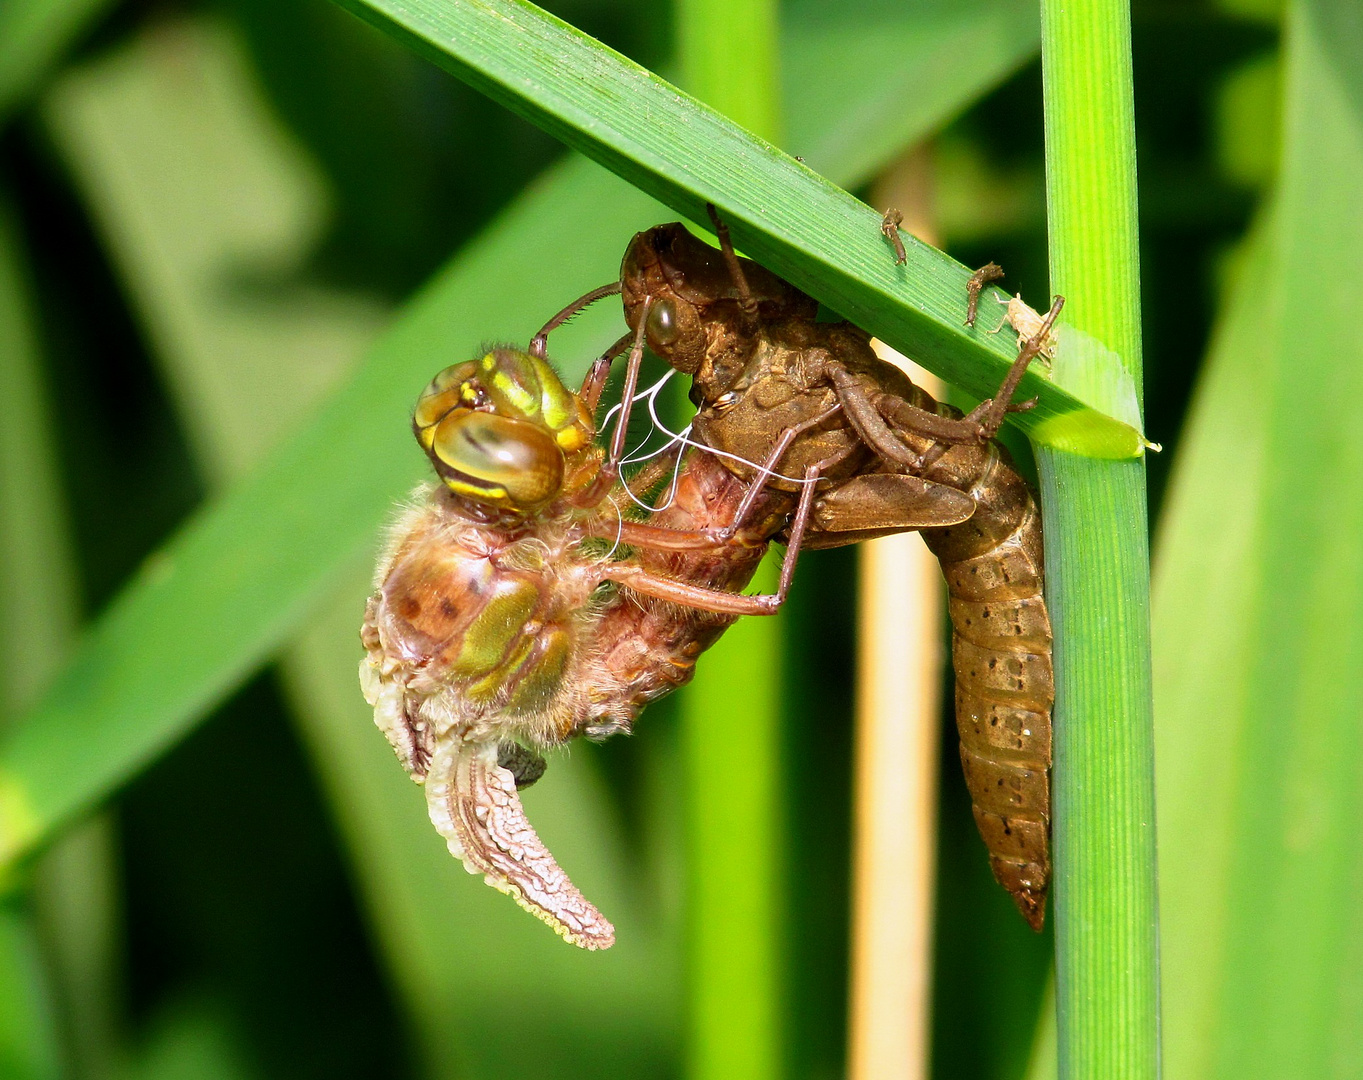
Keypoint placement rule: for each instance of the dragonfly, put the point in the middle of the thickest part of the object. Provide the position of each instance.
(520, 602)
(843, 447)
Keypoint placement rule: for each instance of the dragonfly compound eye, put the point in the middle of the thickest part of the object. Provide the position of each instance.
(525, 387)
(662, 322)
(449, 390)
(496, 459)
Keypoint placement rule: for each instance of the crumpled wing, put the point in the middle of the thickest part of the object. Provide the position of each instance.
(474, 806)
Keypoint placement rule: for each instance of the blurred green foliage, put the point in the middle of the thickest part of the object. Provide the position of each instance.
(196, 268)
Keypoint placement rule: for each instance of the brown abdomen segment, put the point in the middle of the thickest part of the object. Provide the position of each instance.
(649, 646)
(1001, 650)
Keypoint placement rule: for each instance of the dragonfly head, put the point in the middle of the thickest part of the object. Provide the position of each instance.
(503, 431)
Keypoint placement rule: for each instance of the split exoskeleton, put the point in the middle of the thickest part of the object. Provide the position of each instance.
(518, 604)
(847, 448)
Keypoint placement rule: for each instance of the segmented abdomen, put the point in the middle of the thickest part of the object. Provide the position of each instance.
(1001, 650)
(648, 647)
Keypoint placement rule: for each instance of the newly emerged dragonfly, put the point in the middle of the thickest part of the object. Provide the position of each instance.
(516, 606)
(849, 449)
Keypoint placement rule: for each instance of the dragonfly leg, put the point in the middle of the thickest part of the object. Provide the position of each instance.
(889, 228)
(718, 600)
(869, 416)
(768, 469)
(989, 413)
(594, 492)
(726, 247)
(978, 280)
(539, 343)
(599, 372)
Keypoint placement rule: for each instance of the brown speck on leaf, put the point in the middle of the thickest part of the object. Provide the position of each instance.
(889, 226)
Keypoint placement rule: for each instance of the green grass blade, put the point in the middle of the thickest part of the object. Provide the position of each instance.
(77, 909)
(37, 616)
(1263, 868)
(732, 711)
(901, 63)
(1208, 581)
(1097, 574)
(219, 291)
(785, 215)
(28, 1037)
(33, 35)
(728, 54)
(1103, 787)
(195, 1039)
(72, 888)
(1042, 1065)
(37, 569)
(736, 855)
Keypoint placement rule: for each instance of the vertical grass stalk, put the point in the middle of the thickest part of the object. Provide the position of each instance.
(1098, 573)
(731, 714)
(70, 899)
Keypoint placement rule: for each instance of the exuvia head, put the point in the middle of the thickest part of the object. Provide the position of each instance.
(682, 275)
(499, 429)
(698, 313)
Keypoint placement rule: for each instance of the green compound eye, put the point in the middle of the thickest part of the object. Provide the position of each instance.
(445, 393)
(662, 322)
(496, 459)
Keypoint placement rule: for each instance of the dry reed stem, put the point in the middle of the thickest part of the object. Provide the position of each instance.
(898, 710)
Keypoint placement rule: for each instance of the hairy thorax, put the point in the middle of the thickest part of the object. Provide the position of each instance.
(478, 627)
